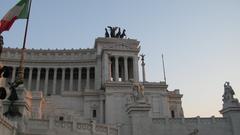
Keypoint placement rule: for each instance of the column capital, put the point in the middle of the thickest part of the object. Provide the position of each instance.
(125, 57)
(116, 56)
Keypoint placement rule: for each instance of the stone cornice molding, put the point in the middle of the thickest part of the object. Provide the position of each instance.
(50, 50)
(50, 64)
(155, 84)
(77, 93)
(11, 53)
(116, 41)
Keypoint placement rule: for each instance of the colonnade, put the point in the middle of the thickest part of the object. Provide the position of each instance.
(55, 80)
(122, 68)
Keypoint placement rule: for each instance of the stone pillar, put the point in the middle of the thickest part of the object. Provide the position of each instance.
(79, 78)
(139, 116)
(71, 80)
(105, 68)
(88, 79)
(63, 80)
(98, 72)
(38, 78)
(109, 69)
(29, 77)
(46, 81)
(54, 80)
(135, 68)
(232, 113)
(125, 69)
(116, 69)
(13, 74)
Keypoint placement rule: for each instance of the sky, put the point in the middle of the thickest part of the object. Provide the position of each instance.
(199, 39)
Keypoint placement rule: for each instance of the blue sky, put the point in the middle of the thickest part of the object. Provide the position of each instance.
(199, 39)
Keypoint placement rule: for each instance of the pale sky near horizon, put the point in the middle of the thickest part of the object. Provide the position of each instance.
(200, 39)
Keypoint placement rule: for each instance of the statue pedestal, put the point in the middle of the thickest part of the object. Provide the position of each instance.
(233, 114)
(231, 108)
(22, 107)
(138, 112)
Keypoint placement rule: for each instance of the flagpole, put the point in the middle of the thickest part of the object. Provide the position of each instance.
(21, 68)
(164, 72)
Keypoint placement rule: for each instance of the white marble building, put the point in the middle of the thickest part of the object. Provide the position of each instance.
(91, 92)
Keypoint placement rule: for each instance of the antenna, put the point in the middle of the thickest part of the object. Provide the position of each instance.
(164, 72)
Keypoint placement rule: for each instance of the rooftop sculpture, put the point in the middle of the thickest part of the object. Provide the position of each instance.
(228, 96)
(115, 32)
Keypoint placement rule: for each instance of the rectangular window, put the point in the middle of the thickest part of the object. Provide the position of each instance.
(94, 113)
(61, 118)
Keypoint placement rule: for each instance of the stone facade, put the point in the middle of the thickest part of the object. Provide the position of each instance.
(91, 92)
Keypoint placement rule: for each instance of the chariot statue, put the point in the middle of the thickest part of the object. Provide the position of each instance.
(115, 32)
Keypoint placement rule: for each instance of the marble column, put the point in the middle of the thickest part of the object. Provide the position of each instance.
(71, 80)
(46, 81)
(87, 79)
(116, 69)
(110, 78)
(13, 74)
(54, 80)
(63, 80)
(135, 68)
(125, 69)
(79, 78)
(30, 78)
(38, 78)
(105, 68)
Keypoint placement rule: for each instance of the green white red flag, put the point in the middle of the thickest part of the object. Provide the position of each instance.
(19, 11)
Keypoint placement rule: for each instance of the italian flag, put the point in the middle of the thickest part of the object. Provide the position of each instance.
(19, 11)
